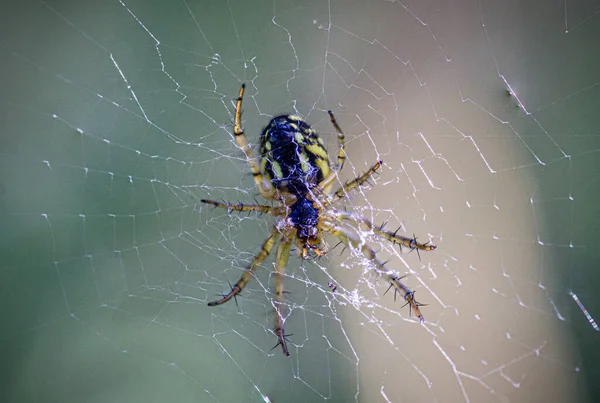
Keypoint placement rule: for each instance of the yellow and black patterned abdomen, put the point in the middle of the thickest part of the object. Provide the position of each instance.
(293, 156)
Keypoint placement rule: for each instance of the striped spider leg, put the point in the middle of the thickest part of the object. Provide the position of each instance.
(261, 208)
(265, 187)
(351, 238)
(393, 237)
(283, 252)
(409, 297)
(341, 158)
(321, 192)
(251, 269)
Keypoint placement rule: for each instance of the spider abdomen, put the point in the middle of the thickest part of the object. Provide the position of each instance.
(293, 157)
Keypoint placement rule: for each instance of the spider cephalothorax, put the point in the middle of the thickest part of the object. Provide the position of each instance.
(294, 169)
(305, 218)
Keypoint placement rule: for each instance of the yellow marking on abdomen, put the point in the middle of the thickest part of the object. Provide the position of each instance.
(306, 167)
(317, 150)
(277, 170)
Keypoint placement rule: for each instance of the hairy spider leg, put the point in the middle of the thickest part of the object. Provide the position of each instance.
(353, 184)
(409, 298)
(265, 187)
(281, 259)
(341, 192)
(413, 305)
(393, 237)
(395, 291)
(357, 182)
(251, 269)
(341, 158)
(274, 211)
(352, 238)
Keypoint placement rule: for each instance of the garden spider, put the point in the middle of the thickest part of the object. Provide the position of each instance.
(294, 169)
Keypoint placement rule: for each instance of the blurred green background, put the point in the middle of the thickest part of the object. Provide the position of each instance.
(116, 121)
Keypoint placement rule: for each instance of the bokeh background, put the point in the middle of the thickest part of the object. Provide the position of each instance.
(116, 120)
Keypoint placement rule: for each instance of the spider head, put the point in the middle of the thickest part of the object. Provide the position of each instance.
(305, 217)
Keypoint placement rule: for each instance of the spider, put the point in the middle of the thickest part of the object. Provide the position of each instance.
(293, 168)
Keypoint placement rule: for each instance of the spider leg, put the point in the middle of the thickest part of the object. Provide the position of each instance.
(264, 186)
(408, 300)
(395, 291)
(393, 237)
(414, 245)
(352, 238)
(282, 340)
(357, 182)
(234, 297)
(325, 184)
(251, 269)
(341, 158)
(281, 258)
(275, 211)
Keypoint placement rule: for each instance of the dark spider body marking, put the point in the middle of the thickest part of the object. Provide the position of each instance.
(305, 217)
(293, 157)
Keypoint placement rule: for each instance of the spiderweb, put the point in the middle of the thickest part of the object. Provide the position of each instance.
(116, 121)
